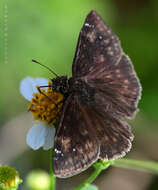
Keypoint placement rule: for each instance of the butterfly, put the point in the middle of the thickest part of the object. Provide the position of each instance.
(102, 92)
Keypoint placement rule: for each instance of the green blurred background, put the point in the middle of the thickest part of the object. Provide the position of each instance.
(48, 31)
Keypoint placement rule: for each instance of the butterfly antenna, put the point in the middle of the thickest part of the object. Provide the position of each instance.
(33, 60)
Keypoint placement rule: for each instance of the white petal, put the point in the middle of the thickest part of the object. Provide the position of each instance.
(49, 138)
(36, 136)
(28, 86)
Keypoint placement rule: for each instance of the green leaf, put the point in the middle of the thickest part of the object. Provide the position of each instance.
(149, 166)
(90, 187)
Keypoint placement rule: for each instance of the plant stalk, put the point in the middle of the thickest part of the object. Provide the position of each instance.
(52, 177)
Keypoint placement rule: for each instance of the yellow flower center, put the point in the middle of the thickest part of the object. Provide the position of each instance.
(46, 105)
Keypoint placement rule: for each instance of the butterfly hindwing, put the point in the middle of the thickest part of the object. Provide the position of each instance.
(114, 135)
(76, 146)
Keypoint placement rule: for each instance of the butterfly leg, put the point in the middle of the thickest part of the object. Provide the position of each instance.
(39, 90)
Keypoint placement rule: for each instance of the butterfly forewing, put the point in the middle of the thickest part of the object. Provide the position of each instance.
(76, 146)
(97, 44)
(86, 135)
(100, 61)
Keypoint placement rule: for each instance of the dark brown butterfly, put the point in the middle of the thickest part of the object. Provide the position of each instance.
(102, 92)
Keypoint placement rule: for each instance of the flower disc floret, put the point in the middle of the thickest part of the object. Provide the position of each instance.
(9, 177)
(46, 105)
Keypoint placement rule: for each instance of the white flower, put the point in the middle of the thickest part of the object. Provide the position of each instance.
(28, 86)
(40, 135)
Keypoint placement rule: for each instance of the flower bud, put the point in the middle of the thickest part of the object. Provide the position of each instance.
(9, 178)
(38, 180)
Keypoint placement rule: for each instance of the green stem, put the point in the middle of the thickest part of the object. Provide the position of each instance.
(149, 166)
(99, 166)
(136, 164)
(52, 177)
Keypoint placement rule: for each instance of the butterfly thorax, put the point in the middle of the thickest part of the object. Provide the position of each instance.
(67, 86)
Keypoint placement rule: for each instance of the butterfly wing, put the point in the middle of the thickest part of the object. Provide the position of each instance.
(97, 44)
(76, 146)
(114, 135)
(117, 89)
(100, 61)
(84, 135)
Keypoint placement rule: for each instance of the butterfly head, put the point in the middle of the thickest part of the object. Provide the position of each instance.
(60, 84)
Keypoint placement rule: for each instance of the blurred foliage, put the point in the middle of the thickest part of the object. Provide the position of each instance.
(48, 31)
(42, 30)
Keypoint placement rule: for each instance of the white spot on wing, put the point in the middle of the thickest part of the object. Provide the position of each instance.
(100, 37)
(57, 151)
(89, 25)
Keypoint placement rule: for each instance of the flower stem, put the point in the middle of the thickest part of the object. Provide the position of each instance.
(99, 166)
(149, 166)
(52, 177)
